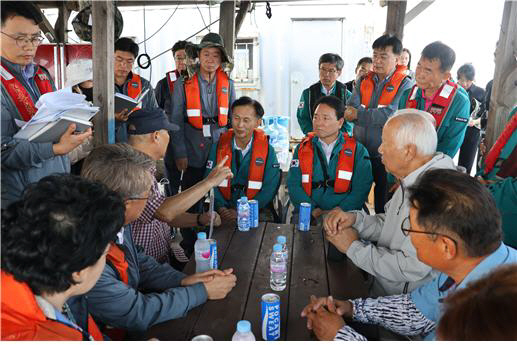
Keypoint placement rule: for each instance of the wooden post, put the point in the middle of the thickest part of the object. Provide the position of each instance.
(395, 18)
(227, 25)
(243, 9)
(504, 88)
(103, 74)
(62, 23)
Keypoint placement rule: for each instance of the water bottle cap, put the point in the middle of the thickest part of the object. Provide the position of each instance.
(277, 247)
(243, 326)
(244, 198)
(281, 239)
(201, 235)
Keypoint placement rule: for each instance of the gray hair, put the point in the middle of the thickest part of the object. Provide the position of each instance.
(121, 168)
(416, 127)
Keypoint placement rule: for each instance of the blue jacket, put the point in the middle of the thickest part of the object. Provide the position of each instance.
(111, 302)
(24, 162)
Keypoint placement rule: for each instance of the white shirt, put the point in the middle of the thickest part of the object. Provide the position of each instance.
(327, 149)
(246, 149)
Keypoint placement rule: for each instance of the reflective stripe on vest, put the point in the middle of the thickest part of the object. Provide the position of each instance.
(171, 77)
(440, 104)
(345, 166)
(117, 258)
(495, 151)
(19, 95)
(389, 91)
(193, 99)
(259, 152)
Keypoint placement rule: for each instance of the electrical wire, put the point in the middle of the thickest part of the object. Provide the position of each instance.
(209, 12)
(202, 18)
(161, 27)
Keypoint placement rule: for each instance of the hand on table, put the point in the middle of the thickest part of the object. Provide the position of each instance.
(317, 212)
(205, 218)
(219, 173)
(337, 220)
(69, 141)
(324, 316)
(343, 239)
(220, 286)
(203, 277)
(228, 215)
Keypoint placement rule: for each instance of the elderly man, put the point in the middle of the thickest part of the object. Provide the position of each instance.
(456, 229)
(374, 242)
(374, 100)
(329, 168)
(129, 83)
(330, 67)
(435, 93)
(149, 133)
(251, 157)
(23, 82)
(135, 292)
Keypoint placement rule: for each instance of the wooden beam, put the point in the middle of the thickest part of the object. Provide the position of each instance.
(61, 27)
(104, 86)
(45, 26)
(243, 9)
(415, 11)
(227, 25)
(395, 18)
(504, 88)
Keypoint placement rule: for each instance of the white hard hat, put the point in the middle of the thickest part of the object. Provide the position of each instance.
(78, 71)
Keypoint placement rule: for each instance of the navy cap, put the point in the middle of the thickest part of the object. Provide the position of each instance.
(144, 121)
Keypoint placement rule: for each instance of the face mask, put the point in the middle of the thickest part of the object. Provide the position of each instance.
(87, 92)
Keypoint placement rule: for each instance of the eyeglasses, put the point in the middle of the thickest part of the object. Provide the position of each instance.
(22, 41)
(328, 71)
(405, 228)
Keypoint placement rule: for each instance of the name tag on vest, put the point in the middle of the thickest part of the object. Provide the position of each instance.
(344, 175)
(206, 131)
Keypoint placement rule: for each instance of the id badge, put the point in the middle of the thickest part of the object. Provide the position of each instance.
(206, 131)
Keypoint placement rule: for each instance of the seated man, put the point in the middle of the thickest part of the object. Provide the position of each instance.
(54, 245)
(134, 292)
(435, 93)
(149, 133)
(407, 150)
(329, 168)
(250, 156)
(456, 229)
(330, 67)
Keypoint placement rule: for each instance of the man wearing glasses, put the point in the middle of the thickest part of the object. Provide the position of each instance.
(374, 243)
(330, 67)
(455, 228)
(23, 82)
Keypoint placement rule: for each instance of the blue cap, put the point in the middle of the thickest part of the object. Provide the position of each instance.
(201, 235)
(243, 326)
(145, 121)
(281, 239)
(277, 247)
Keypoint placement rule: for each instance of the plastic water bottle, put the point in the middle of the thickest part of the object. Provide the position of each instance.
(278, 266)
(202, 252)
(243, 332)
(283, 241)
(243, 214)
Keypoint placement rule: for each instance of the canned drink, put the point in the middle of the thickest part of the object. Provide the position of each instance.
(270, 311)
(254, 213)
(202, 337)
(304, 223)
(213, 254)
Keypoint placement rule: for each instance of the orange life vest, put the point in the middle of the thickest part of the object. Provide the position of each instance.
(494, 153)
(389, 91)
(193, 99)
(259, 152)
(134, 86)
(440, 104)
(116, 258)
(345, 166)
(20, 96)
(171, 77)
(22, 318)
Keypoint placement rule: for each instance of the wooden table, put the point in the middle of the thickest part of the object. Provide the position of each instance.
(248, 253)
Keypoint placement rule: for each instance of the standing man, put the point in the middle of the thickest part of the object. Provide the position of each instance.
(23, 82)
(129, 83)
(374, 100)
(329, 168)
(256, 172)
(200, 107)
(364, 65)
(330, 67)
(466, 74)
(435, 93)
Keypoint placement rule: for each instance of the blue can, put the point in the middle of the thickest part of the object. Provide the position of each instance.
(304, 223)
(254, 213)
(213, 254)
(270, 310)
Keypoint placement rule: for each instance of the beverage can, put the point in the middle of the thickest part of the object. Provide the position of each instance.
(304, 223)
(270, 312)
(254, 213)
(202, 337)
(213, 254)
